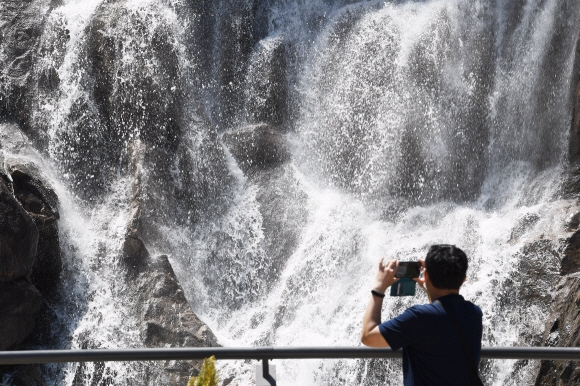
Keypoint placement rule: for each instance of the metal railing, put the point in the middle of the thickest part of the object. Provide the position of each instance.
(262, 353)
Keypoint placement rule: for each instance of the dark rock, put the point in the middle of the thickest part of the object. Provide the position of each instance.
(259, 146)
(36, 195)
(33, 190)
(144, 116)
(571, 259)
(530, 286)
(18, 45)
(266, 89)
(18, 236)
(235, 41)
(20, 303)
(23, 375)
(166, 317)
(571, 181)
(135, 256)
(137, 91)
(562, 330)
(524, 224)
(573, 222)
(574, 141)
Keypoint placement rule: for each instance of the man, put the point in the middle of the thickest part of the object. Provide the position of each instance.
(435, 352)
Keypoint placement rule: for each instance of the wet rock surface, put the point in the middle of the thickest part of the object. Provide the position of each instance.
(38, 198)
(571, 259)
(162, 314)
(574, 142)
(166, 318)
(257, 147)
(20, 303)
(18, 235)
(164, 311)
(18, 46)
(562, 330)
(30, 206)
(266, 95)
(23, 375)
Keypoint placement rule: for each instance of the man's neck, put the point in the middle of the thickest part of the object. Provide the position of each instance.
(436, 293)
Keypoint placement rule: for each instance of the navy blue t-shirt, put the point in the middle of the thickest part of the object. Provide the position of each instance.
(432, 350)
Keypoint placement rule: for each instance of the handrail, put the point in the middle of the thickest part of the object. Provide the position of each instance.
(261, 353)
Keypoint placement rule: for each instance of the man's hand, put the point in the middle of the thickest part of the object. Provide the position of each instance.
(370, 334)
(386, 275)
(421, 280)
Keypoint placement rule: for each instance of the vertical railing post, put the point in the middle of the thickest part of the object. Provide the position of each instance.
(266, 376)
(265, 368)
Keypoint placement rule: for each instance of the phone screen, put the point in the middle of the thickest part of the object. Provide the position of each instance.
(408, 269)
(403, 287)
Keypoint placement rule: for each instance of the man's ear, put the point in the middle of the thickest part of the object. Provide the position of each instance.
(464, 278)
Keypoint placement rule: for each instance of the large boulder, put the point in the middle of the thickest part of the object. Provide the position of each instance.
(165, 317)
(38, 198)
(20, 303)
(18, 235)
(257, 147)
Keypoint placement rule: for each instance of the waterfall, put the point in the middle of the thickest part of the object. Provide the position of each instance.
(405, 123)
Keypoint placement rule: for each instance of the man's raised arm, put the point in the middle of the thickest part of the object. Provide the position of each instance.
(370, 335)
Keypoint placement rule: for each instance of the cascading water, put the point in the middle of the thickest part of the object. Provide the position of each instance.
(407, 124)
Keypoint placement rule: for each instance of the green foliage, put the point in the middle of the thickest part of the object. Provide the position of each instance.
(208, 375)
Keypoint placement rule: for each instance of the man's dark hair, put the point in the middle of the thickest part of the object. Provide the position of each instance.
(446, 265)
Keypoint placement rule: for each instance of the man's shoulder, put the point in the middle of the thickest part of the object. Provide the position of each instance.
(424, 309)
(436, 308)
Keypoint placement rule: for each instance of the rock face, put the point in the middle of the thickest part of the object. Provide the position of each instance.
(571, 259)
(163, 313)
(266, 93)
(18, 46)
(29, 250)
(574, 149)
(18, 236)
(41, 203)
(30, 258)
(257, 147)
(235, 23)
(20, 303)
(563, 330)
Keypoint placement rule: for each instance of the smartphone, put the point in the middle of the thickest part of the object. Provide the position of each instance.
(408, 269)
(403, 287)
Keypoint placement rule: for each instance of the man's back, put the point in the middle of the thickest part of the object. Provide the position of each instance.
(432, 349)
